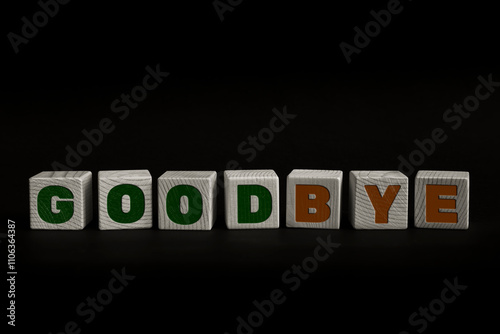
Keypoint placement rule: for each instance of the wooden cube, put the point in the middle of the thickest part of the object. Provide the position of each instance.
(442, 199)
(378, 200)
(313, 198)
(252, 199)
(125, 199)
(60, 200)
(187, 200)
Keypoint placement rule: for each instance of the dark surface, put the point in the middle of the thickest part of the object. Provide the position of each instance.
(225, 79)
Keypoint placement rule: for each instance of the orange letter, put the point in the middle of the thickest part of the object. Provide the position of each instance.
(382, 204)
(434, 202)
(303, 202)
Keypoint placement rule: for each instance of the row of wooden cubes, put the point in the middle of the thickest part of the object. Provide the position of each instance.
(187, 199)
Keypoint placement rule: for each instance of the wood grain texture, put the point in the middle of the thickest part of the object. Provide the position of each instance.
(361, 208)
(80, 185)
(205, 182)
(460, 180)
(266, 178)
(107, 180)
(331, 180)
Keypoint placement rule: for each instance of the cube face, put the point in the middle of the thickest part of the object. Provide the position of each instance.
(313, 198)
(60, 200)
(442, 200)
(378, 200)
(251, 199)
(125, 199)
(187, 200)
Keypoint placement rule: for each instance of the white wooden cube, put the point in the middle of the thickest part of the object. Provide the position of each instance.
(313, 198)
(125, 199)
(60, 200)
(378, 200)
(442, 199)
(187, 200)
(251, 199)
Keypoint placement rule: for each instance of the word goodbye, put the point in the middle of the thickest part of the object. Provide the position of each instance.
(187, 199)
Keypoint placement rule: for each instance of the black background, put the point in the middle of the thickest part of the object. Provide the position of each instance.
(225, 79)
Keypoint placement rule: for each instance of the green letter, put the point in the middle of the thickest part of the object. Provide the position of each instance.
(137, 203)
(44, 205)
(195, 204)
(245, 216)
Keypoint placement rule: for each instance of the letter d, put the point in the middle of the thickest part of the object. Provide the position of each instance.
(360, 39)
(28, 29)
(265, 207)
(405, 166)
(242, 325)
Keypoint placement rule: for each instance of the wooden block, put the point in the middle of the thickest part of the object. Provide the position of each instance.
(125, 199)
(252, 199)
(313, 198)
(187, 200)
(442, 199)
(60, 200)
(378, 200)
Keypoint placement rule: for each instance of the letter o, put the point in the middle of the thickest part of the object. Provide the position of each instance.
(255, 322)
(310, 264)
(371, 33)
(475, 103)
(101, 294)
(413, 158)
(436, 310)
(139, 97)
(41, 15)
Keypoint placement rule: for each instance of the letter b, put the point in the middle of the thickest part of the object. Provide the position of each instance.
(309, 197)
(383, 17)
(94, 136)
(266, 307)
(51, 7)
